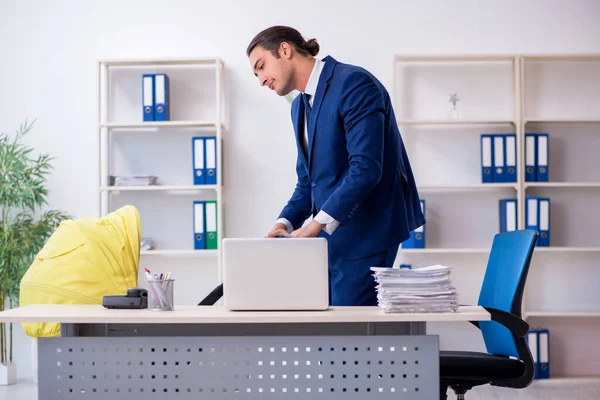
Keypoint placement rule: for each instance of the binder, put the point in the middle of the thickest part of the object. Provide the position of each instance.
(419, 233)
(499, 159)
(508, 215)
(199, 236)
(510, 147)
(544, 222)
(530, 156)
(198, 158)
(416, 239)
(544, 355)
(532, 342)
(542, 157)
(161, 98)
(211, 224)
(532, 214)
(148, 97)
(405, 266)
(211, 160)
(487, 165)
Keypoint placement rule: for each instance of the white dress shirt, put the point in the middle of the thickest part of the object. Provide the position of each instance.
(311, 88)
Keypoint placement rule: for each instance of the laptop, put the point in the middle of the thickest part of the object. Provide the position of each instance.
(275, 274)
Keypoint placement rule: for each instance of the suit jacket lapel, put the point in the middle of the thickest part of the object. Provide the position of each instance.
(298, 118)
(321, 90)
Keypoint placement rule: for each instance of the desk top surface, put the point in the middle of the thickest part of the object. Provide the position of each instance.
(94, 314)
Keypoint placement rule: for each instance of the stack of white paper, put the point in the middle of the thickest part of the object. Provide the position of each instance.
(426, 289)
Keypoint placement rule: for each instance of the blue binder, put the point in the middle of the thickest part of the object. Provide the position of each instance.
(510, 150)
(198, 160)
(508, 215)
(530, 157)
(532, 340)
(542, 157)
(405, 266)
(417, 237)
(487, 163)
(499, 159)
(544, 222)
(419, 233)
(544, 353)
(161, 98)
(148, 97)
(199, 231)
(210, 148)
(532, 214)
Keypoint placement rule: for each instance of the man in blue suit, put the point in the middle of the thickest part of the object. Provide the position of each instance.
(354, 176)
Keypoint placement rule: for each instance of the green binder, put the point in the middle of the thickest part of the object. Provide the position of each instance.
(210, 219)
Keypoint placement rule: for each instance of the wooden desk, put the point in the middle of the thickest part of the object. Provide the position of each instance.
(210, 352)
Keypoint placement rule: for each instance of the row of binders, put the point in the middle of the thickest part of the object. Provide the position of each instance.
(205, 225)
(155, 97)
(417, 237)
(536, 157)
(499, 157)
(538, 341)
(537, 217)
(204, 155)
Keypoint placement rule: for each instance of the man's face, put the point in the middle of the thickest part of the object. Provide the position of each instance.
(275, 73)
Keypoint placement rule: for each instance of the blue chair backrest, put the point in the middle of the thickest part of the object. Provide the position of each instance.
(503, 286)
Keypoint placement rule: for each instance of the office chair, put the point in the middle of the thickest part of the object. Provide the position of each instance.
(508, 361)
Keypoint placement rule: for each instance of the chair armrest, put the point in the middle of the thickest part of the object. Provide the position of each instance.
(516, 325)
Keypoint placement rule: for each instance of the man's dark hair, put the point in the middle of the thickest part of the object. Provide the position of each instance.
(271, 38)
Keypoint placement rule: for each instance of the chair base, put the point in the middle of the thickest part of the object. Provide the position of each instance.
(459, 388)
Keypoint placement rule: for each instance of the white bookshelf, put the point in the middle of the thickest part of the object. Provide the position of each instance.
(130, 146)
(554, 94)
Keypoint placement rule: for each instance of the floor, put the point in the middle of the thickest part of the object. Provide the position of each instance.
(580, 389)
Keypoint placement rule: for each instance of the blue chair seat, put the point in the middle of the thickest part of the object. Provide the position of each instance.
(479, 366)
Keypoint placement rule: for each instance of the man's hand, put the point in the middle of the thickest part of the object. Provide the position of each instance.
(278, 230)
(308, 231)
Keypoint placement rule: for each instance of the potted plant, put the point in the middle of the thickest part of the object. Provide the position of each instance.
(24, 227)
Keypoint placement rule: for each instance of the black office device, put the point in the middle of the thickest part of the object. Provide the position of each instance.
(135, 298)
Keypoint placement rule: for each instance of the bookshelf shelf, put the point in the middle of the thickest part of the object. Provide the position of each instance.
(567, 249)
(180, 253)
(456, 122)
(166, 124)
(161, 188)
(573, 314)
(565, 120)
(582, 185)
(444, 251)
(468, 187)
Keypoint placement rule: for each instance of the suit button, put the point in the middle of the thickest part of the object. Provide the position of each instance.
(313, 184)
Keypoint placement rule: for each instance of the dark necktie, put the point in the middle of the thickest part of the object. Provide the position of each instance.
(307, 107)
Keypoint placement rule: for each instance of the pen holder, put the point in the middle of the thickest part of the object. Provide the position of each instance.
(160, 294)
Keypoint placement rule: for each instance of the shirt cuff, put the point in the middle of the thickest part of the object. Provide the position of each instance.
(287, 224)
(330, 223)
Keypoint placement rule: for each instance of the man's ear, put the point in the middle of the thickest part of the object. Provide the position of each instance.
(285, 50)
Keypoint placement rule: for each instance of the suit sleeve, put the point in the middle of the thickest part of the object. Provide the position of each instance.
(362, 109)
(298, 208)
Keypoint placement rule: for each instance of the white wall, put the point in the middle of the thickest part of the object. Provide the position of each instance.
(47, 71)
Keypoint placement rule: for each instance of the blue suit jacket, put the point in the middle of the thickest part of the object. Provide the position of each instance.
(356, 169)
